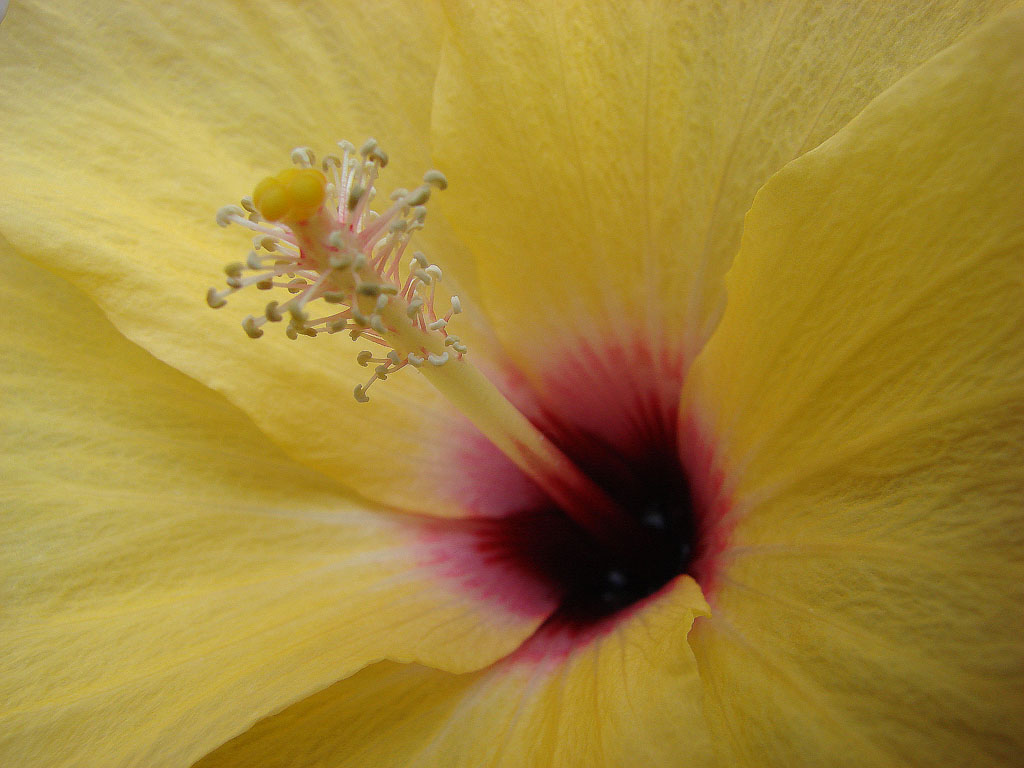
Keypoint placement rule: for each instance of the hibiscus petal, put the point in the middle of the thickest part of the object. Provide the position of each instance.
(169, 576)
(630, 698)
(127, 126)
(865, 394)
(602, 155)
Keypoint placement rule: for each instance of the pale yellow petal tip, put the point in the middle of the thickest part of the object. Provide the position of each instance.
(318, 238)
(694, 596)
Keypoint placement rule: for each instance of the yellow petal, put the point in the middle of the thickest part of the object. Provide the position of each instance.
(602, 155)
(125, 128)
(630, 698)
(865, 393)
(168, 576)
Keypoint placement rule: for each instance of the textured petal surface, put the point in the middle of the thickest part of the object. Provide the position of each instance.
(168, 576)
(631, 697)
(604, 154)
(865, 392)
(126, 126)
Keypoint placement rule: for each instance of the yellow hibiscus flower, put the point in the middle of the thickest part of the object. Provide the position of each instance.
(212, 554)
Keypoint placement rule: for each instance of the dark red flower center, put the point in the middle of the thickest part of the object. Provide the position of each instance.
(623, 432)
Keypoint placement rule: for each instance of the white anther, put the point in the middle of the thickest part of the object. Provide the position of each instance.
(368, 146)
(460, 348)
(234, 269)
(377, 323)
(253, 261)
(252, 329)
(234, 282)
(378, 156)
(418, 196)
(248, 204)
(398, 225)
(353, 196)
(266, 242)
(368, 289)
(360, 318)
(456, 305)
(449, 340)
(272, 313)
(434, 270)
(330, 160)
(436, 178)
(394, 357)
(364, 357)
(339, 262)
(414, 360)
(423, 275)
(382, 301)
(337, 325)
(359, 262)
(334, 297)
(382, 371)
(399, 193)
(214, 299)
(419, 213)
(418, 257)
(414, 307)
(438, 359)
(360, 395)
(347, 147)
(298, 316)
(291, 333)
(303, 156)
(224, 214)
(437, 325)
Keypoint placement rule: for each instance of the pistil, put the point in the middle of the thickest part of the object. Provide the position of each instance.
(318, 238)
